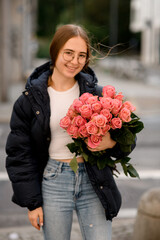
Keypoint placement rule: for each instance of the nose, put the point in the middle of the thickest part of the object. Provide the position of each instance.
(75, 60)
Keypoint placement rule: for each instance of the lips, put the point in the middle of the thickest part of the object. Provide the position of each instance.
(70, 68)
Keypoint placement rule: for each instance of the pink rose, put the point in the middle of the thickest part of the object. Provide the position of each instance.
(129, 105)
(73, 131)
(96, 107)
(108, 91)
(86, 111)
(77, 104)
(107, 114)
(100, 120)
(119, 96)
(100, 132)
(92, 100)
(65, 122)
(117, 104)
(79, 121)
(85, 96)
(106, 129)
(106, 102)
(91, 128)
(116, 123)
(94, 141)
(83, 131)
(125, 114)
(93, 115)
(73, 122)
(71, 112)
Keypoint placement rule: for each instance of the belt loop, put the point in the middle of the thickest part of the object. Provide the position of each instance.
(60, 167)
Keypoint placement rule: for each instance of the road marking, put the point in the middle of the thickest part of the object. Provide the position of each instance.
(4, 176)
(144, 174)
(127, 213)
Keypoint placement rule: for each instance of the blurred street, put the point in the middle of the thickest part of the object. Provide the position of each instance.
(146, 97)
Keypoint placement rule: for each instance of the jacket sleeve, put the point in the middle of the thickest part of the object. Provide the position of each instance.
(20, 163)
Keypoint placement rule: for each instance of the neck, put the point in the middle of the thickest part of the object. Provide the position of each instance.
(61, 83)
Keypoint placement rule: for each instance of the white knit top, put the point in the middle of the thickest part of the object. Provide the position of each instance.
(59, 104)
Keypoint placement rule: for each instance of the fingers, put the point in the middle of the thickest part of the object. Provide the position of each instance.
(35, 224)
(93, 149)
(34, 221)
(41, 218)
(107, 142)
(36, 218)
(89, 148)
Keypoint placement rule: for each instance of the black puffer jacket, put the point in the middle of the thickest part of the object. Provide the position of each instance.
(29, 139)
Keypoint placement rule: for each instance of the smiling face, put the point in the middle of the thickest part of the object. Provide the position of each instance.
(77, 48)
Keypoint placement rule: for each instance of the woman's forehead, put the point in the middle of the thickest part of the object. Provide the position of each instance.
(76, 44)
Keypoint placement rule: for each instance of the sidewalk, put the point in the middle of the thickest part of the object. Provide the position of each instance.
(122, 229)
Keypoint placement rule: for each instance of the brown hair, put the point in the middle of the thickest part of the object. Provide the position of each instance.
(62, 35)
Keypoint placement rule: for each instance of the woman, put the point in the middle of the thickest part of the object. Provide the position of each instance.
(38, 159)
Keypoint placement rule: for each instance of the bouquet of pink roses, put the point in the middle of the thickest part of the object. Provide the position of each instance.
(92, 117)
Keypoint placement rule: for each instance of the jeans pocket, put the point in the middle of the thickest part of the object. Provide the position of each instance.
(50, 173)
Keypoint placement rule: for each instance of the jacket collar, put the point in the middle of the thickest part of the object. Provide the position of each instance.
(39, 78)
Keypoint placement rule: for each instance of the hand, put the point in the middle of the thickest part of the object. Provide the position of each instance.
(107, 142)
(36, 217)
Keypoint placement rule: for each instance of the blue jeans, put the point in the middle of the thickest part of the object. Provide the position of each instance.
(64, 191)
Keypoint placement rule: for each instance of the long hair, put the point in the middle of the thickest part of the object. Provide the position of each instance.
(62, 35)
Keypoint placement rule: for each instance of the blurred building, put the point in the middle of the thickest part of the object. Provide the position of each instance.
(145, 18)
(17, 31)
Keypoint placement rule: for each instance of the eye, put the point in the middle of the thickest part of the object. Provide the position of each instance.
(68, 53)
(82, 55)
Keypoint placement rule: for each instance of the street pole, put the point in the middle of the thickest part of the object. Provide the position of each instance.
(5, 65)
(113, 22)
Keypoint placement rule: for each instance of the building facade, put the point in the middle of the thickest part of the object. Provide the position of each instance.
(145, 18)
(17, 40)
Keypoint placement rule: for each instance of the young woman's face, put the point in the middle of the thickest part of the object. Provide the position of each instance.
(72, 57)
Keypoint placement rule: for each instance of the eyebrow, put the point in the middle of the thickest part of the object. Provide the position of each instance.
(74, 51)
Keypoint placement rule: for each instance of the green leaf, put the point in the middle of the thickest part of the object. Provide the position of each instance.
(110, 162)
(102, 162)
(72, 147)
(116, 133)
(77, 142)
(73, 164)
(99, 153)
(131, 123)
(125, 148)
(85, 156)
(123, 136)
(124, 169)
(138, 127)
(133, 115)
(91, 159)
(125, 160)
(132, 171)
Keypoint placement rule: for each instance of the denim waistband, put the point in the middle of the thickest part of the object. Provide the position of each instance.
(60, 164)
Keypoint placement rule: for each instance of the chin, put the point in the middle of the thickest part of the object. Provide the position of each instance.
(72, 74)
